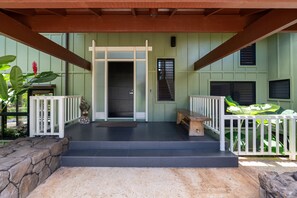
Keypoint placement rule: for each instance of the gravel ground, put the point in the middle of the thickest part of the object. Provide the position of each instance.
(161, 182)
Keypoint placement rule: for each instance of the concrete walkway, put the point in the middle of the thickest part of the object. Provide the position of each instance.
(161, 182)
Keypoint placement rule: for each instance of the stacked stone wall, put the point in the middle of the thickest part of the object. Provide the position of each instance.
(27, 162)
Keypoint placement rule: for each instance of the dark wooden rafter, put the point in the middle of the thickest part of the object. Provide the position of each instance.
(248, 12)
(21, 33)
(58, 12)
(133, 11)
(173, 11)
(209, 12)
(153, 12)
(96, 11)
(24, 12)
(272, 22)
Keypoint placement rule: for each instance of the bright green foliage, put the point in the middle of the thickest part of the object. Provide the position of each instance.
(254, 109)
(44, 77)
(3, 88)
(19, 83)
(230, 102)
(16, 78)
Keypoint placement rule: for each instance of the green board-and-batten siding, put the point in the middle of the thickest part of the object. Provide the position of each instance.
(189, 48)
(282, 60)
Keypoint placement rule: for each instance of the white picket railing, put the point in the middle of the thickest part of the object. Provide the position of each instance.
(49, 114)
(212, 107)
(262, 134)
(256, 135)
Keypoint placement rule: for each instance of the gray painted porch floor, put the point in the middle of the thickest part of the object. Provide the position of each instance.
(150, 131)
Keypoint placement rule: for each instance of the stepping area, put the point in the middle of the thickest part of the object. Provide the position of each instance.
(147, 145)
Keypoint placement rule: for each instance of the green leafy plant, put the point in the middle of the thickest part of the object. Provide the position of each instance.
(258, 109)
(16, 83)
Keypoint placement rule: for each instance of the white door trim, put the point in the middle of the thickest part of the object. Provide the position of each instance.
(134, 49)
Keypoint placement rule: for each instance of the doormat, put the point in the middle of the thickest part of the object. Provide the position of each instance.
(117, 124)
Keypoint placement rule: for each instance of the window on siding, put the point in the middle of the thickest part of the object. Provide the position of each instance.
(242, 92)
(279, 89)
(248, 55)
(166, 87)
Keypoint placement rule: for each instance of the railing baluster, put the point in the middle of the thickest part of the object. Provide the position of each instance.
(246, 135)
(45, 120)
(32, 117)
(285, 134)
(292, 131)
(231, 135)
(52, 113)
(239, 135)
(254, 135)
(277, 135)
(269, 136)
(38, 116)
(262, 136)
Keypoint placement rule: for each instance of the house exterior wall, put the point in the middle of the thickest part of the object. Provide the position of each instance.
(189, 48)
(282, 50)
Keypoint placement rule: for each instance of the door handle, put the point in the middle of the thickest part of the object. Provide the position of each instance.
(131, 92)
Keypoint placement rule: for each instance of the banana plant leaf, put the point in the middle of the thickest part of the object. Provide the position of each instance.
(3, 88)
(254, 109)
(16, 78)
(273, 144)
(44, 77)
(4, 60)
(235, 140)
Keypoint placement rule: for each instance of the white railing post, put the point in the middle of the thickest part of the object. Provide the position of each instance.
(32, 117)
(292, 128)
(61, 117)
(222, 123)
(191, 103)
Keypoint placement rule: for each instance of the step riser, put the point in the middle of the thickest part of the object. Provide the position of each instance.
(210, 146)
(204, 161)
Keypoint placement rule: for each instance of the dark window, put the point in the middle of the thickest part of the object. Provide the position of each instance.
(242, 92)
(166, 87)
(248, 55)
(279, 89)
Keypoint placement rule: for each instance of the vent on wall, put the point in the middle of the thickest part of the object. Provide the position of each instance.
(248, 55)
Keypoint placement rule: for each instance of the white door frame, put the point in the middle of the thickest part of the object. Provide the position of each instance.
(134, 49)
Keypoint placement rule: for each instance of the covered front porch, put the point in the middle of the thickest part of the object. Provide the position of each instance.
(153, 144)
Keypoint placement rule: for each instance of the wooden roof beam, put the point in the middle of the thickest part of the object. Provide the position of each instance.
(141, 23)
(96, 11)
(209, 12)
(272, 22)
(21, 33)
(285, 4)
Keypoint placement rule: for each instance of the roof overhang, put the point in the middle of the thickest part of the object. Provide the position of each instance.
(31, 17)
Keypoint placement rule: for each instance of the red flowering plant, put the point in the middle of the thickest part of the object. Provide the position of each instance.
(19, 83)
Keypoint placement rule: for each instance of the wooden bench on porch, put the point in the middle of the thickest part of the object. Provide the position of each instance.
(194, 121)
